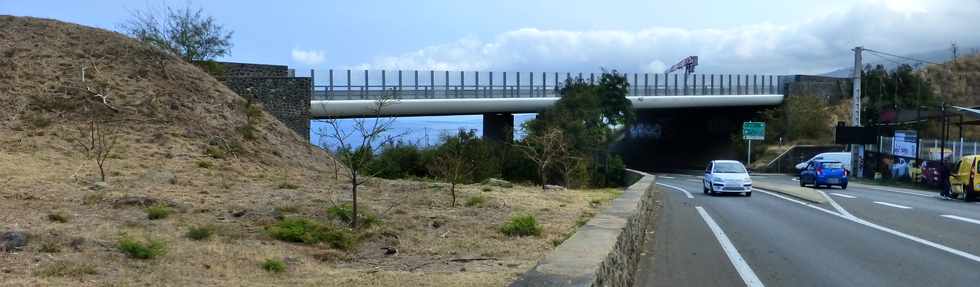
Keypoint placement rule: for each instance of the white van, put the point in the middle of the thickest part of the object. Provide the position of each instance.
(842, 157)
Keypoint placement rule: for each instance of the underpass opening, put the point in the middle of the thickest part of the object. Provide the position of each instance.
(670, 140)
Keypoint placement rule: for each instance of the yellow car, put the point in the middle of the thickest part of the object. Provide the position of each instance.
(963, 179)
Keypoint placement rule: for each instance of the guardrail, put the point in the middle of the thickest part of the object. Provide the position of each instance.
(448, 85)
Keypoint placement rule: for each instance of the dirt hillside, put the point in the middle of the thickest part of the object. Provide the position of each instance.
(168, 108)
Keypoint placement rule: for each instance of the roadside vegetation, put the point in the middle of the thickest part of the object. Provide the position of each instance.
(173, 185)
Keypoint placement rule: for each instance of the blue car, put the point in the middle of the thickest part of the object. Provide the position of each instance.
(824, 173)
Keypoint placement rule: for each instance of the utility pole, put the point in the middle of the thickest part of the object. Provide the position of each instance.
(857, 151)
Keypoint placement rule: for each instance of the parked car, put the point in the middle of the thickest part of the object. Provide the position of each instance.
(963, 179)
(826, 173)
(842, 157)
(725, 176)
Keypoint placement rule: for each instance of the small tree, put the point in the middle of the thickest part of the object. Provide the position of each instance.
(185, 32)
(355, 146)
(96, 142)
(544, 149)
(452, 163)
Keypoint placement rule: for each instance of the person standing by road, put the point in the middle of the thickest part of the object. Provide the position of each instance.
(944, 178)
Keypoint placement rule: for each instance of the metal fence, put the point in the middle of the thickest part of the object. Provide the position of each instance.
(369, 84)
(931, 149)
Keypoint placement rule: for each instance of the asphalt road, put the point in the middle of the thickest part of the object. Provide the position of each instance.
(871, 238)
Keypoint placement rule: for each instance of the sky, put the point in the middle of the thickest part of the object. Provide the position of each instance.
(761, 36)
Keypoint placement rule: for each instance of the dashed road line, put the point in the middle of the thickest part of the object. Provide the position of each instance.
(688, 194)
(871, 187)
(667, 177)
(970, 220)
(693, 180)
(945, 248)
(743, 268)
(892, 205)
(843, 195)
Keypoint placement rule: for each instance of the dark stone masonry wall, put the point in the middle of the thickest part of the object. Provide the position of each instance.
(285, 97)
(236, 70)
(288, 99)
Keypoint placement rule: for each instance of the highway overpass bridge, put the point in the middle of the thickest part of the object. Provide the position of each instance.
(497, 96)
(682, 119)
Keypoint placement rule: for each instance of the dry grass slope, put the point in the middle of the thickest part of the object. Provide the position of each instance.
(172, 120)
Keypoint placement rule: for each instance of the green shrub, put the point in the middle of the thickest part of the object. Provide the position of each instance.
(200, 232)
(345, 213)
(213, 68)
(158, 212)
(475, 201)
(306, 231)
(274, 265)
(59, 217)
(205, 164)
(398, 160)
(142, 250)
(216, 152)
(248, 132)
(287, 185)
(521, 225)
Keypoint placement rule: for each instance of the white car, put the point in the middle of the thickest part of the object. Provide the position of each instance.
(842, 157)
(724, 176)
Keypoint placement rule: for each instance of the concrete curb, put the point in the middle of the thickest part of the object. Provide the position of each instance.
(804, 193)
(606, 250)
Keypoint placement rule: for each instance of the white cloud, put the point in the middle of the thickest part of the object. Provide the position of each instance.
(308, 57)
(809, 46)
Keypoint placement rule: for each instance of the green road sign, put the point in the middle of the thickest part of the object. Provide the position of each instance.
(753, 131)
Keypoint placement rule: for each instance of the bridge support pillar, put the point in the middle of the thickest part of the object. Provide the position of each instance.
(498, 127)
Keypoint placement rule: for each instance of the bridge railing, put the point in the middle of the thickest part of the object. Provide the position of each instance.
(366, 84)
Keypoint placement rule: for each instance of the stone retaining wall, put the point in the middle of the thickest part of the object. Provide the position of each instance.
(288, 99)
(239, 70)
(606, 250)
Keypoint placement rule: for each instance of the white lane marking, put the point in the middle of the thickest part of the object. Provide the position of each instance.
(748, 276)
(892, 205)
(796, 179)
(694, 180)
(688, 194)
(836, 206)
(907, 192)
(970, 220)
(886, 229)
(843, 195)
(793, 200)
(667, 177)
(871, 187)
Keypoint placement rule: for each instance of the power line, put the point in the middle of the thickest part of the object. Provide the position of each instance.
(889, 60)
(900, 57)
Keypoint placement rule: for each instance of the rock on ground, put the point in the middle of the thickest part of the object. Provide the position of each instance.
(12, 240)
